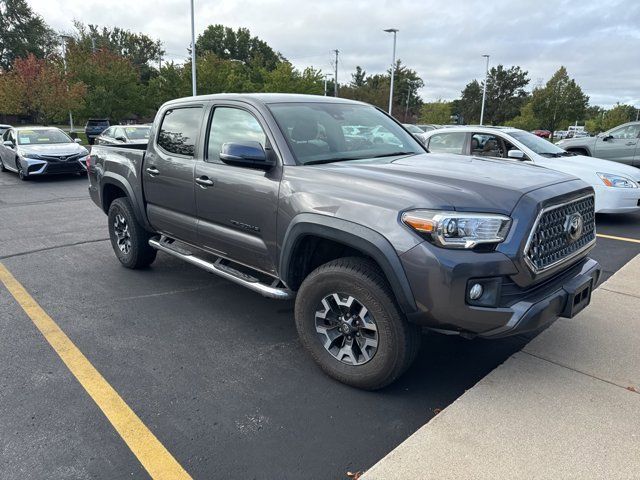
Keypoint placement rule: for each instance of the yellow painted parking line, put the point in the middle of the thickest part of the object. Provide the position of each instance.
(153, 456)
(622, 239)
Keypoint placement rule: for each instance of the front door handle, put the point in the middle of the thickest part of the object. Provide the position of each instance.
(204, 181)
(628, 144)
(153, 171)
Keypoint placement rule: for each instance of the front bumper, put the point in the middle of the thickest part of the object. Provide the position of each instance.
(440, 281)
(617, 200)
(35, 167)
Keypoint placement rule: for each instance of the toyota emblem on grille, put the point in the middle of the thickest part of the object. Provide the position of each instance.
(573, 227)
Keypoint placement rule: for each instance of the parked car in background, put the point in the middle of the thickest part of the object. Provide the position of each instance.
(429, 126)
(4, 128)
(616, 185)
(542, 133)
(375, 240)
(94, 127)
(120, 134)
(619, 144)
(559, 134)
(32, 151)
(415, 131)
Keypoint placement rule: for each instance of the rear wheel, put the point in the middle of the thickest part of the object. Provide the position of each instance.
(348, 320)
(129, 239)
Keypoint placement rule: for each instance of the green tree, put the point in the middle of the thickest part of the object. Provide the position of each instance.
(216, 75)
(171, 82)
(526, 120)
(560, 102)
(358, 78)
(287, 79)
(229, 44)
(113, 87)
(138, 48)
(608, 119)
(22, 32)
(436, 112)
(505, 96)
(468, 106)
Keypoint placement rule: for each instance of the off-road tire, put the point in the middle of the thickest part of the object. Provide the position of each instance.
(398, 340)
(140, 254)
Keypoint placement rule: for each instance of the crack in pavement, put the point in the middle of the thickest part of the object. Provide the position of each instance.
(44, 249)
(628, 388)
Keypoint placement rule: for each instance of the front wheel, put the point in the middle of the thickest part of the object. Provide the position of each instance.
(129, 239)
(2, 167)
(22, 175)
(348, 320)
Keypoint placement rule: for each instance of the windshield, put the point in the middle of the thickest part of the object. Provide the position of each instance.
(138, 133)
(42, 137)
(332, 132)
(537, 144)
(98, 123)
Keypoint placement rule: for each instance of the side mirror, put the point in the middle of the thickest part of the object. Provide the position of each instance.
(606, 138)
(245, 154)
(121, 139)
(8, 144)
(78, 141)
(516, 154)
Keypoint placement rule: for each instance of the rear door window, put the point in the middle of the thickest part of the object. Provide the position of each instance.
(447, 143)
(487, 145)
(179, 130)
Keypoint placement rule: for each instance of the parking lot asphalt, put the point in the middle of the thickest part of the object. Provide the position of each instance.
(214, 371)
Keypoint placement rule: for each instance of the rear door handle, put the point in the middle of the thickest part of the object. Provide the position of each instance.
(153, 171)
(630, 143)
(204, 181)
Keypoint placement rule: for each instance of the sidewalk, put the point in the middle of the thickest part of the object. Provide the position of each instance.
(566, 406)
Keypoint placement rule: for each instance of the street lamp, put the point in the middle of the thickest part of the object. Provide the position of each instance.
(64, 39)
(193, 52)
(393, 65)
(484, 90)
(325, 82)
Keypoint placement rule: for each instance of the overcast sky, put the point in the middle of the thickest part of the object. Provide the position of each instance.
(597, 40)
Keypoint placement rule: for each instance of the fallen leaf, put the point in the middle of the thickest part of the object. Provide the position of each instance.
(355, 475)
(436, 411)
(631, 389)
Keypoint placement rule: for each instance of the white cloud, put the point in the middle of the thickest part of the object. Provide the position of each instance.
(598, 41)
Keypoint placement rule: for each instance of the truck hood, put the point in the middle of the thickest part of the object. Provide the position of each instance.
(453, 181)
(55, 149)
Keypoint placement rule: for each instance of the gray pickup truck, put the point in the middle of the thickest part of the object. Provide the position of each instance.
(334, 203)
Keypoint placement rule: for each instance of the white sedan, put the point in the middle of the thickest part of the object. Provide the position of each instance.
(617, 186)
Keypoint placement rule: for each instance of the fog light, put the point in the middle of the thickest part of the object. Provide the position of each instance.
(476, 291)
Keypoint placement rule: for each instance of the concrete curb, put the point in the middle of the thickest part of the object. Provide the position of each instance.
(566, 406)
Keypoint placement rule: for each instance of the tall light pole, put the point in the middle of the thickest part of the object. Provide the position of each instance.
(393, 65)
(325, 82)
(193, 52)
(484, 90)
(64, 39)
(335, 75)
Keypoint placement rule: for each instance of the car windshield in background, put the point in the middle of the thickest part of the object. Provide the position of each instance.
(42, 137)
(98, 123)
(413, 128)
(537, 144)
(138, 133)
(330, 132)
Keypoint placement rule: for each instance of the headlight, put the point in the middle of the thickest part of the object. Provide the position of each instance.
(458, 229)
(33, 156)
(617, 181)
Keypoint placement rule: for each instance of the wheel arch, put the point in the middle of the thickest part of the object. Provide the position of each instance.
(115, 186)
(295, 263)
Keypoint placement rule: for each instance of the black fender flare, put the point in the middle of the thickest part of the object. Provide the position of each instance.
(111, 178)
(355, 236)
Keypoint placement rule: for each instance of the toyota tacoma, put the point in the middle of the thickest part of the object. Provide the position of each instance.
(376, 239)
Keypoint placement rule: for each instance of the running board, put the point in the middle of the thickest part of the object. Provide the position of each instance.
(224, 271)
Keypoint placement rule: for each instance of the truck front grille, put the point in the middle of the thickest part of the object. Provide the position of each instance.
(560, 233)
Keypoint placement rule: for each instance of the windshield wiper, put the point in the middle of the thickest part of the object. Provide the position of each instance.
(553, 155)
(393, 154)
(331, 160)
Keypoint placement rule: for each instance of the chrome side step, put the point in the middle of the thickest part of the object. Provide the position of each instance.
(223, 270)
